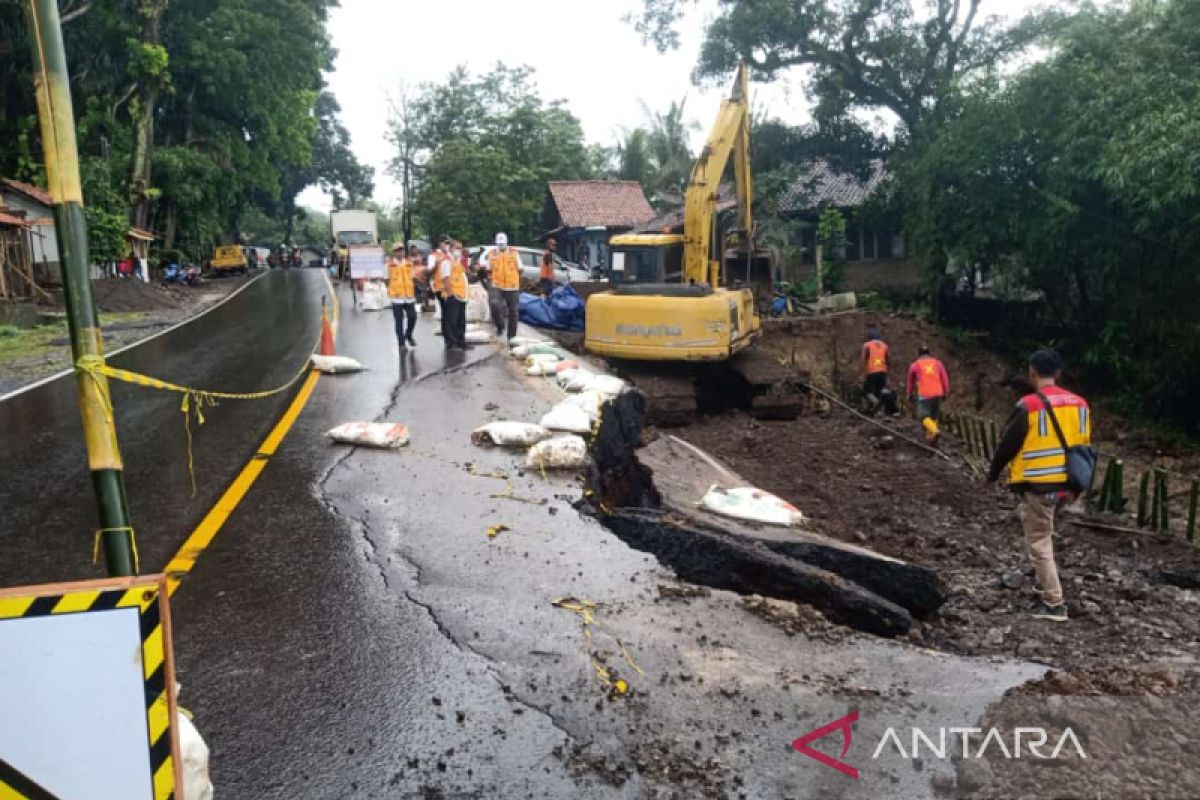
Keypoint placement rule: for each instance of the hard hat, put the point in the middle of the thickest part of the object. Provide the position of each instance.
(501, 238)
(397, 246)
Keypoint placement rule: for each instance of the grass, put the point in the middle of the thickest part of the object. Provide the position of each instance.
(25, 343)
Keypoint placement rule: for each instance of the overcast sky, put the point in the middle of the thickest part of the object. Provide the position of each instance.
(582, 51)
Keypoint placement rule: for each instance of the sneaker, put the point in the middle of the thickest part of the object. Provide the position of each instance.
(1056, 613)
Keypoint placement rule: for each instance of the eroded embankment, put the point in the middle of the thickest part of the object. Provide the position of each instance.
(851, 585)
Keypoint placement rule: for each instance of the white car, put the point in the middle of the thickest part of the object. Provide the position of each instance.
(531, 265)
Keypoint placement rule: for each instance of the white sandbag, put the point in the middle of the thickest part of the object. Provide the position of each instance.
(536, 358)
(388, 435)
(524, 341)
(373, 297)
(561, 452)
(540, 368)
(193, 752)
(567, 375)
(563, 366)
(510, 434)
(547, 347)
(478, 307)
(520, 351)
(589, 401)
(577, 382)
(754, 505)
(335, 364)
(609, 385)
(566, 416)
(479, 336)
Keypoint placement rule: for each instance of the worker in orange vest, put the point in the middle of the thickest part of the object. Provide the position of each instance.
(505, 268)
(403, 294)
(454, 290)
(546, 276)
(929, 384)
(874, 365)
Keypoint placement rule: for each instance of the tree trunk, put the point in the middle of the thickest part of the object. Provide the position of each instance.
(171, 214)
(149, 85)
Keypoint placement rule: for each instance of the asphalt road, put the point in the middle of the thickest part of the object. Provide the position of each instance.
(353, 631)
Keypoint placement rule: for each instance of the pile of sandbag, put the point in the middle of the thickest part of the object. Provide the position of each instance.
(548, 359)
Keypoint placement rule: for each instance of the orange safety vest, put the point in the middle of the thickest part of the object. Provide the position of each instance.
(400, 280)
(435, 275)
(547, 273)
(1042, 458)
(929, 378)
(506, 269)
(876, 351)
(458, 282)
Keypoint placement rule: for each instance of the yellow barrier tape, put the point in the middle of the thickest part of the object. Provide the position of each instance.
(132, 544)
(586, 610)
(194, 400)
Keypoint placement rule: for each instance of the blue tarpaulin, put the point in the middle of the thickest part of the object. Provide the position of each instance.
(563, 310)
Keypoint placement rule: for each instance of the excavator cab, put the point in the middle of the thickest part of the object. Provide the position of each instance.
(645, 259)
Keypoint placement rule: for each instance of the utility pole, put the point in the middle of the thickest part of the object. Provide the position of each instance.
(57, 118)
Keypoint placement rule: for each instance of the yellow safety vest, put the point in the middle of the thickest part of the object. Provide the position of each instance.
(400, 280)
(458, 282)
(1042, 458)
(506, 269)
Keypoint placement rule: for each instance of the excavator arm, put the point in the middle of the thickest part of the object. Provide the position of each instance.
(730, 137)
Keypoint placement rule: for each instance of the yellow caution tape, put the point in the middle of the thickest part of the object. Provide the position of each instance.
(194, 400)
(132, 544)
(586, 610)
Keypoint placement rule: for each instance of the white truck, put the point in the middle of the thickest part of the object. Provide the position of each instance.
(352, 228)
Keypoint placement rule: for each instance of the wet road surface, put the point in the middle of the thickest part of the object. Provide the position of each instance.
(353, 632)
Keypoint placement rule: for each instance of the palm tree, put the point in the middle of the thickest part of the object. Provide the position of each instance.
(670, 153)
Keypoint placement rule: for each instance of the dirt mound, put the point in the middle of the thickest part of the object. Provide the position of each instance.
(1113, 681)
(829, 349)
(860, 484)
(127, 294)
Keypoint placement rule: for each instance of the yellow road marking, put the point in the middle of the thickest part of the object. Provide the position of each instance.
(185, 559)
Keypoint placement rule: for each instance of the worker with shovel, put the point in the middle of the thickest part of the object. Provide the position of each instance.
(929, 384)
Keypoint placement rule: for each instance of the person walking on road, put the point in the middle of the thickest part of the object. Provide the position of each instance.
(505, 268)
(454, 286)
(874, 365)
(546, 276)
(929, 384)
(437, 268)
(402, 292)
(1042, 429)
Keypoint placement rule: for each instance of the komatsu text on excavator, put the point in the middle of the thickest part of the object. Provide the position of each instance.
(670, 320)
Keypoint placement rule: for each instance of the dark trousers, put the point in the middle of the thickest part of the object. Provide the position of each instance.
(454, 315)
(442, 307)
(547, 286)
(506, 310)
(929, 407)
(406, 320)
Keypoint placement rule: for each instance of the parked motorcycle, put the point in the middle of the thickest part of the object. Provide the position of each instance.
(183, 276)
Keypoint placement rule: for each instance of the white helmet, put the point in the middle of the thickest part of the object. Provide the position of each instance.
(501, 239)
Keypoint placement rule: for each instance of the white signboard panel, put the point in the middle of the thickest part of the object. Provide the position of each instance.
(368, 262)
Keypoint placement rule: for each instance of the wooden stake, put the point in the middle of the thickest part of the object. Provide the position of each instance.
(1143, 487)
(1194, 494)
(1118, 489)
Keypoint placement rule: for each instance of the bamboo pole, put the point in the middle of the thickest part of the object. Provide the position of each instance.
(1194, 494)
(1143, 487)
(1104, 501)
(57, 119)
(1164, 499)
(1118, 495)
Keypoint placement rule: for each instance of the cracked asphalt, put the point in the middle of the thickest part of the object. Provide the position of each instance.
(353, 631)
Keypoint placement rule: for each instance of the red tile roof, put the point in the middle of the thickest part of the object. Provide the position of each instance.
(8, 220)
(30, 191)
(613, 204)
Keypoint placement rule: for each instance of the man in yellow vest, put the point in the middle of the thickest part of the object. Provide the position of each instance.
(402, 292)
(454, 290)
(505, 268)
(435, 278)
(1043, 427)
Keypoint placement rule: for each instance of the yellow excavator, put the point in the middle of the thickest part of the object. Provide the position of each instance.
(668, 322)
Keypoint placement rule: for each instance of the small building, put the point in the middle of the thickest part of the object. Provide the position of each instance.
(818, 186)
(582, 215)
(34, 205)
(16, 267)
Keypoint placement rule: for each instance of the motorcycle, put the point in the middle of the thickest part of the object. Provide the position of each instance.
(183, 276)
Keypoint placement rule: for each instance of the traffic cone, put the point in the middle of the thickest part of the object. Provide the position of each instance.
(327, 348)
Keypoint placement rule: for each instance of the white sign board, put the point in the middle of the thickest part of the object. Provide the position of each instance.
(87, 691)
(368, 262)
(618, 262)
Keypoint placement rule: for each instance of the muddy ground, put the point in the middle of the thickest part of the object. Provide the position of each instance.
(130, 311)
(861, 484)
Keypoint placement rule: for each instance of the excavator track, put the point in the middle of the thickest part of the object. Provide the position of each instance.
(752, 381)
